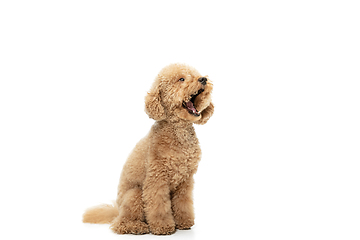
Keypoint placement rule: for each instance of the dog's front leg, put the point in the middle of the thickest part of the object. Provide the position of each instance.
(156, 196)
(182, 205)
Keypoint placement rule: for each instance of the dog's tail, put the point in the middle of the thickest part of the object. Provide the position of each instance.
(104, 213)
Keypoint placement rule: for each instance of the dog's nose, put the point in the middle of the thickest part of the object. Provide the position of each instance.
(203, 80)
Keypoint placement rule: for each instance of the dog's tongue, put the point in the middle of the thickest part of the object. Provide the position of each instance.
(191, 107)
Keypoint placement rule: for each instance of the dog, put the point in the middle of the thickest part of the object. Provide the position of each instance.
(156, 183)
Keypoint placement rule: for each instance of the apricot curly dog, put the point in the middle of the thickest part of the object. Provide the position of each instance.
(155, 189)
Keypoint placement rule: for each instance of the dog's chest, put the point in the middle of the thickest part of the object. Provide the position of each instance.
(184, 162)
(180, 147)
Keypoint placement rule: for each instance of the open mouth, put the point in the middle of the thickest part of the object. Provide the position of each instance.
(189, 106)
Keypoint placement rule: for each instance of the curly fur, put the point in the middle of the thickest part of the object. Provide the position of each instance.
(155, 189)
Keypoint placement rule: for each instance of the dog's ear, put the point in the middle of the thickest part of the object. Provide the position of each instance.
(153, 107)
(206, 114)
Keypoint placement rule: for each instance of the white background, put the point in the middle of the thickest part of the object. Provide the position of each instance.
(280, 155)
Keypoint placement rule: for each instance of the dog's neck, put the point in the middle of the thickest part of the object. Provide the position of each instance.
(177, 123)
(181, 130)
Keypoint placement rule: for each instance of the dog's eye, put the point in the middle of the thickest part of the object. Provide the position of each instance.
(181, 79)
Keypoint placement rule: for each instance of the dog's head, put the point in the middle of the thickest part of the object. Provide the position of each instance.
(179, 91)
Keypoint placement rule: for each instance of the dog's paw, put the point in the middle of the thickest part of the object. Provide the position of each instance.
(133, 227)
(162, 229)
(184, 225)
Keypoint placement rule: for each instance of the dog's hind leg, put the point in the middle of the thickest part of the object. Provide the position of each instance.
(131, 217)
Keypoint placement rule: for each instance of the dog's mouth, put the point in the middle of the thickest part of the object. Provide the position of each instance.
(189, 105)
